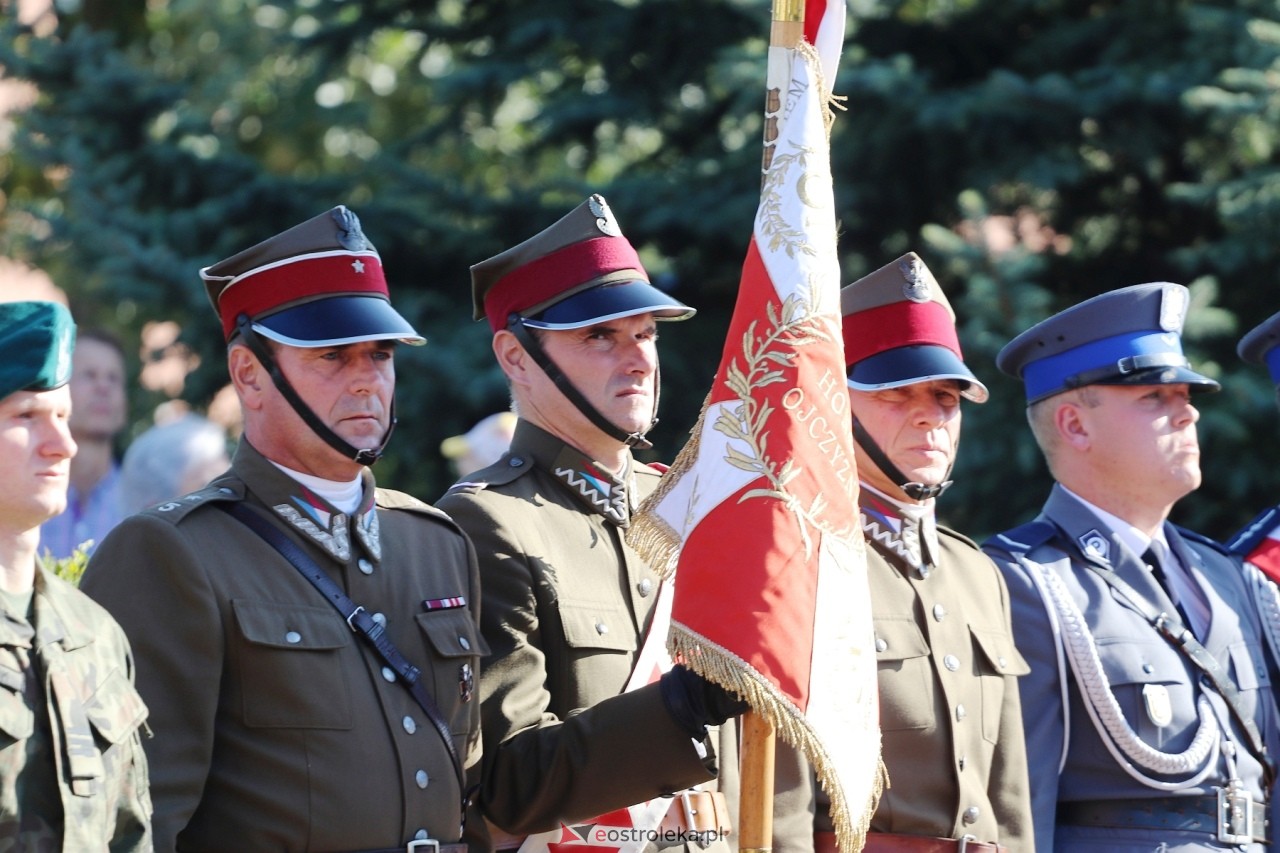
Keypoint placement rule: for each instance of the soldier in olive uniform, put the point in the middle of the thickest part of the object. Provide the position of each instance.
(278, 725)
(73, 776)
(568, 605)
(1149, 710)
(950, 719)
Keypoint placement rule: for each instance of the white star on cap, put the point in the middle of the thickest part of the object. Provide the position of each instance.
(358, 265)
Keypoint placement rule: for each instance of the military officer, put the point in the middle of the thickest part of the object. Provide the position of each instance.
(950, 719)
(307, 642)
(1149, 711)
(73, 775)
(572, 725)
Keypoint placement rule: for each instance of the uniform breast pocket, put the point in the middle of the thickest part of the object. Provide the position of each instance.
(997, 660)
(454, 648)
(905, 675)
(17, 721)
(292, 672)
(1248, 666)
(1150, 684)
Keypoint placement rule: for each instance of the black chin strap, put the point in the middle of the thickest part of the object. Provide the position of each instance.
(634, 440)
(364, 457)
(915, 491)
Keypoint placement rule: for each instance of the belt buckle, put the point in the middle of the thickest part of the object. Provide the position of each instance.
(1235, 816)
(962, 844)
(690, 813)
(423, 845)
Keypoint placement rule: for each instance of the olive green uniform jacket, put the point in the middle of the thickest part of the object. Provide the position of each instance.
(567, 604)
(73, 776)
(950, 714)
(276, 727)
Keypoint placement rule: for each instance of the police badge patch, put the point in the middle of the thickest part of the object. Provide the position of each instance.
(1096, 545)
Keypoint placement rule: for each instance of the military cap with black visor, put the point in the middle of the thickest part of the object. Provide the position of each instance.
(318, 284)
(899, 329)
(578, 272)
(1130, 336)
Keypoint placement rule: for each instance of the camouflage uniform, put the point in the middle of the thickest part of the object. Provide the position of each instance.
(74, 776)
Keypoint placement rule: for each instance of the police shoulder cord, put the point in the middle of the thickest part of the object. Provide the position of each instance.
(1267, 597)
(1108, 717)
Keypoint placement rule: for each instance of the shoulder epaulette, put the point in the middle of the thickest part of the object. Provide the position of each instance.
(176, 509)
(960, 536)
(391, 499)
(1252, 534)
(1024, 538)
(1201, 539)
(498, 474)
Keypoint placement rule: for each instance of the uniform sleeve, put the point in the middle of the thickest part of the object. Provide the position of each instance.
(539, 770)
(146, 574)
(1040, 696)
(1009, 781)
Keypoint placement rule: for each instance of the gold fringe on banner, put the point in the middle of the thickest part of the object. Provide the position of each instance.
(718, 664)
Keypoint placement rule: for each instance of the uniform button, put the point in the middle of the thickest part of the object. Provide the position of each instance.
(602, 628)
(1148, 668)
(293, 637)
(939, 612)
(962, 762)
(961, 713)
(881, 644)
(971, 815)
(951, 662)
(365, 566)
(421, 835)
(388, 673)
(1000, 660)
(381, 619)
(409, 725)
(465, 643)
(515, 462)
(421, 778)
(645, 586)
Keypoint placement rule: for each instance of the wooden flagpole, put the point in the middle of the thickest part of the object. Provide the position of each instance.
(755, 806)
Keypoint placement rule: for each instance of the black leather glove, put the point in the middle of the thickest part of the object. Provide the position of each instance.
(695, 703)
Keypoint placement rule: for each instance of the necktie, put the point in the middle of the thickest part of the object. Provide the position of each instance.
(1154, 558)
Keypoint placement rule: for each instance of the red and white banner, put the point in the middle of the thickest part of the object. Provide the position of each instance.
(758, 515)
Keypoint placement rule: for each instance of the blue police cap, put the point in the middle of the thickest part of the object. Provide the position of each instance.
(36, 339)
(1262, 346)
(1130, 336)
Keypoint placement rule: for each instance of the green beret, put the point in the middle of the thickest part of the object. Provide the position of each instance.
(36, 339)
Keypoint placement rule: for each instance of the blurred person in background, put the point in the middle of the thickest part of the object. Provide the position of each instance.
(172, 459)
(480, 446)
(98, 412)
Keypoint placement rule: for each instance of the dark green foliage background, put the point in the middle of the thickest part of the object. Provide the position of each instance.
(1137, 138)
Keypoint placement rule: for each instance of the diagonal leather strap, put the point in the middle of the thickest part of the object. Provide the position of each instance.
(1181, 638)
(359, 620)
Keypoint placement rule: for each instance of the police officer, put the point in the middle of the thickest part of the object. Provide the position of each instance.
(1258, 542)
(950, 719)
(72, 771)
(1148, 711)
(572, 725)
(255, 604)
